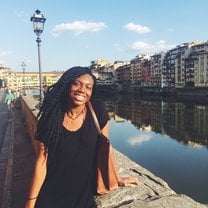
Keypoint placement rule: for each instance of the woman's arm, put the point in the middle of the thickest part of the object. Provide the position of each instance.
(38, 176)
(105, 132)
(122, 181)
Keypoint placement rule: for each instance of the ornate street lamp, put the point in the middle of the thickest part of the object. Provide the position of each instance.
(23, 68)
(38, 21)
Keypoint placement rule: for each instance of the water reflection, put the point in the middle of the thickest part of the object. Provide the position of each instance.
(170, 138)
(185, 122)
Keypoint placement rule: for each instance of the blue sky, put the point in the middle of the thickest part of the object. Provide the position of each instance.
(79, 31)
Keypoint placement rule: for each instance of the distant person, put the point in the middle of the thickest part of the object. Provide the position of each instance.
(64, 170)
(17, 97)
(9, 99)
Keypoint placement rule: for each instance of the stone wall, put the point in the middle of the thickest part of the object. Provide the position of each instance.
(30, 114)
(151, 192)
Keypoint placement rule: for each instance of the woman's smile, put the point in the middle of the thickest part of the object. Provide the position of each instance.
(79, 97)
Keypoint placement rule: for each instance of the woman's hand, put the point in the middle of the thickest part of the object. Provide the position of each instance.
(128, 181)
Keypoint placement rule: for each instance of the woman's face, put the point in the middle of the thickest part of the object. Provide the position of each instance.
(81, 89)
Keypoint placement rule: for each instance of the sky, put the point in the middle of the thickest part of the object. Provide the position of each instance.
(80, 31)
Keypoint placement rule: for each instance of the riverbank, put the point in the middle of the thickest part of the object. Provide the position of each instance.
(188, 93)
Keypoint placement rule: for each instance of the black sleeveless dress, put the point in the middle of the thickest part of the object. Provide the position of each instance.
(69, 179)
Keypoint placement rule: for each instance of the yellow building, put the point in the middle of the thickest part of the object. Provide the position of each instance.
(6, 75)
(28, 80)
(50, 78)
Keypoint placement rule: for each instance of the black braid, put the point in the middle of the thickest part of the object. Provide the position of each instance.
(54, 106)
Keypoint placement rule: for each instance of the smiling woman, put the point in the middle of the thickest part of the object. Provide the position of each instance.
(65, 168)
(67, 144)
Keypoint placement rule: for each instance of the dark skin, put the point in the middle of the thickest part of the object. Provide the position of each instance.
(79, 94)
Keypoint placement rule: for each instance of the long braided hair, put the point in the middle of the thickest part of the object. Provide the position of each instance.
(55, 105)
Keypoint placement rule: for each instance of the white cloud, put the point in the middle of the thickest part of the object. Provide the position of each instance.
(141, 46)
(144, 47)
(137, 28)
(162, 45)
(22, 15)
(138, 140)
(5, 53)
(78, 27)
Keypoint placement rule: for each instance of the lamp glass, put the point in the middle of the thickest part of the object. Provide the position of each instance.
(38, 22)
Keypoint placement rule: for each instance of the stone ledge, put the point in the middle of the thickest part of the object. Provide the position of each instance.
(151, 192)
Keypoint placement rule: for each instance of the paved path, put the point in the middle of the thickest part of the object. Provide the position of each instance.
(4, 143)
(16, 158)
(4, 115)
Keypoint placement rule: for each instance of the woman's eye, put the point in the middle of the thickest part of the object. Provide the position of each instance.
(76, 83)
(89, 87)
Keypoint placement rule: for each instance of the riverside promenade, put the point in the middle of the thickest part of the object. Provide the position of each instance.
(18, 154)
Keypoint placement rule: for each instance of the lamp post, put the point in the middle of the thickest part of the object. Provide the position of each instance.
(38, 21)
(23, 68)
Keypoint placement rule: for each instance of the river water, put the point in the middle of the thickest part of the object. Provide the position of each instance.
(168, 137)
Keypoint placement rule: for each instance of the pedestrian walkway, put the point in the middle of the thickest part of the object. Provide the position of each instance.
(16, 162)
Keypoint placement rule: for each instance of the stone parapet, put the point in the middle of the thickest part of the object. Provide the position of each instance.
(30, 114)
(151, 192)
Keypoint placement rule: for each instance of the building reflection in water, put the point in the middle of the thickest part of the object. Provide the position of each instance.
(185, 122)
(170, 140)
